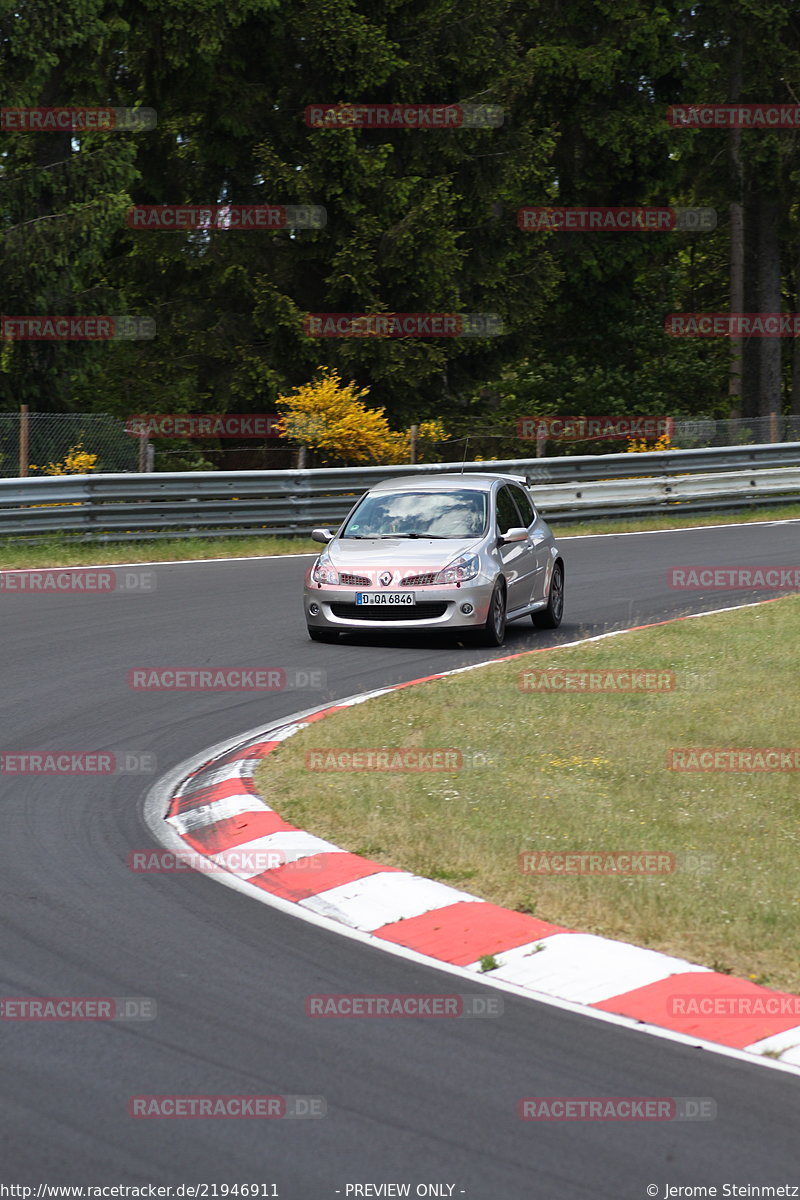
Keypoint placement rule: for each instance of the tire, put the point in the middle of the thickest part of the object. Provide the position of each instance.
(322, 635)
(494, 631)
(550, 617)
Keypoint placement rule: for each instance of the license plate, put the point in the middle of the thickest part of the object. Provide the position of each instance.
(389, 598)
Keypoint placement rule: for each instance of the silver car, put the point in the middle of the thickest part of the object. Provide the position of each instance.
(455, 552)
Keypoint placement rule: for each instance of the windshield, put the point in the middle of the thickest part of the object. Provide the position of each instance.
(450, 514)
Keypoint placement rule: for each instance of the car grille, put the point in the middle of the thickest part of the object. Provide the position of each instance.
(354, 580)
(418, 580)
(401, 612)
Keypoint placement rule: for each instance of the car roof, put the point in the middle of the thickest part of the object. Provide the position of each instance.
(446, 481)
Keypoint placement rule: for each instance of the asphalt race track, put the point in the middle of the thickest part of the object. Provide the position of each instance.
(417, 1102)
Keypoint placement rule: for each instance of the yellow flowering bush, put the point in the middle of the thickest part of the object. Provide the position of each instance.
(331, 418)
(641, 445)
(76, 461)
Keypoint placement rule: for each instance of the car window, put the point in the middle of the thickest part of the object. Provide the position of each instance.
(524, 505)
(507, 515)
(455, 513)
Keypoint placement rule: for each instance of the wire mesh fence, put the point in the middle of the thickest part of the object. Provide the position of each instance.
(58, 442)
(53, 437)
(702, 432)
(473, 439)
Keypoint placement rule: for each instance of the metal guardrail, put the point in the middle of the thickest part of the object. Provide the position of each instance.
(207, 504)
(732, 489)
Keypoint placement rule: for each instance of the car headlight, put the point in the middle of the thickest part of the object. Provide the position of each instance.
(460, 570)
(323, 571)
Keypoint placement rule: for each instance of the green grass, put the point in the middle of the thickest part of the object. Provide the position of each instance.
(588, 772)
(70, 552)
(64, 552)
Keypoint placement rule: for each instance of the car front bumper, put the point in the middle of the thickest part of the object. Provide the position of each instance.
(436, 607)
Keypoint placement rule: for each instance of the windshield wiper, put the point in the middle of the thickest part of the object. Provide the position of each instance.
(378, 537)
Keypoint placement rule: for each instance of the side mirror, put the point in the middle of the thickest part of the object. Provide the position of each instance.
(322, 535)
(517, 534)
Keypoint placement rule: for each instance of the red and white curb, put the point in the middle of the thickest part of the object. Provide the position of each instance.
(209, 806)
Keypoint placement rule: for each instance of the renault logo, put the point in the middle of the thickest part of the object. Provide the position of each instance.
(385, 578)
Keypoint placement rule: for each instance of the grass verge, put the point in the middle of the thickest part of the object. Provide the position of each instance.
(63, 552)
(69, 552)
(587, 772)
